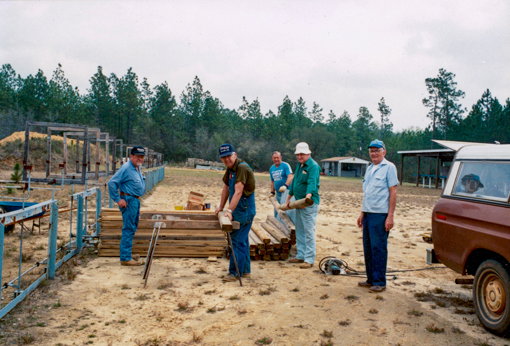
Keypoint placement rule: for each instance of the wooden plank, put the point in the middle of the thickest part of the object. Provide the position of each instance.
(226, 225)
(169, 224)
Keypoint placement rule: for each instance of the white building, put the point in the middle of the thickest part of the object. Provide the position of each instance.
(347, 166)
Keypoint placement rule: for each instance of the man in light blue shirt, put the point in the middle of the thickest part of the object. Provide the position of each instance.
(379, 201)
(131, 184)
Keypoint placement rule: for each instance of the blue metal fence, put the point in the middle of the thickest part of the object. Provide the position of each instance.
(72, 248)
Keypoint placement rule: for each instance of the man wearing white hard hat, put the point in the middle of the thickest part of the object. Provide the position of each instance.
(305, 185)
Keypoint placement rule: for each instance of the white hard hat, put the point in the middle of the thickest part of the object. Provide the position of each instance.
(302, 148)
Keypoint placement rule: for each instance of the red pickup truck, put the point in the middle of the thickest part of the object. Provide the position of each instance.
(471, 229)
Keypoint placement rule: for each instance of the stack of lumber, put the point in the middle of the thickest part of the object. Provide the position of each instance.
(184, 233)
(271, 240)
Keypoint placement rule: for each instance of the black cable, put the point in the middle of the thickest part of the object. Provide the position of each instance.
(353, 272)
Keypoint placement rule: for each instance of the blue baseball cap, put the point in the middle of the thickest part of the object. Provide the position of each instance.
(226, 150)
(377, 144)
(138, 151)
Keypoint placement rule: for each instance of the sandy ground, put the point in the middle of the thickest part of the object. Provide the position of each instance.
(96, 301)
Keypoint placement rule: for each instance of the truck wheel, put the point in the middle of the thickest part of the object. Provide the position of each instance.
(491, 296)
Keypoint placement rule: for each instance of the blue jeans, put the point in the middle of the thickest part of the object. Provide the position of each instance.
(241, 247)
(305, 232)
(130, 217)
(375, 247)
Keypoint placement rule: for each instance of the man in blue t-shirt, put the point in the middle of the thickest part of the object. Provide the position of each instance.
(281, 176)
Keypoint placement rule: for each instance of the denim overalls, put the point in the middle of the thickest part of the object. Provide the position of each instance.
(244, 214)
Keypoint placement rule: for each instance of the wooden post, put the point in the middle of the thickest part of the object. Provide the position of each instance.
(418, 174)
(437, 171)
(304, 202)
(107, 144)
(48, 154)
(402, 169)
(85, 150)
(98, 159)
(77, 154)
(283, 215)
(64, 144)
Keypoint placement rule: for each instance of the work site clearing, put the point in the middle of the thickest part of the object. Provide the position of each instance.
(96, 301)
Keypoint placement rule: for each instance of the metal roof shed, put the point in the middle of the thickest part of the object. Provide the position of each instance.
(441, 155)
(345, 166)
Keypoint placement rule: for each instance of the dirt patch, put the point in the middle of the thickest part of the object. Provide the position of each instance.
(106, 304)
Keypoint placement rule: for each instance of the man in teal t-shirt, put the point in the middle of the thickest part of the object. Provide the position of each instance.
(305, 185)
(281, 177)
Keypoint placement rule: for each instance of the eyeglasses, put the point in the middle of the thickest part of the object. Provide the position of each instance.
(374, 150)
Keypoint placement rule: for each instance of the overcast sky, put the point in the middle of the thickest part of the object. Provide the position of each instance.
(340, 54)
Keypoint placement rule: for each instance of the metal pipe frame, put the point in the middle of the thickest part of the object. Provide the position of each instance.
(51, 127)
(51, 264)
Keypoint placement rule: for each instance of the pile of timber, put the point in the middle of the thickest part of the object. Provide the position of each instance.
(271, 240)
(185, 233)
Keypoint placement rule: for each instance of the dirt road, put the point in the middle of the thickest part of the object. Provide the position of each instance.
(186, 302)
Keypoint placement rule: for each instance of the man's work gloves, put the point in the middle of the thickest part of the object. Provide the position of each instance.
(283, 188)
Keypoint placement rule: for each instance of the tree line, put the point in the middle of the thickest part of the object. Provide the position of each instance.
(197, 123)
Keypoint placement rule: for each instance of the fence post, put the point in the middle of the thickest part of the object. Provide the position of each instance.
(98, 211)
(52, 241)
(2, 231)
(79, 225)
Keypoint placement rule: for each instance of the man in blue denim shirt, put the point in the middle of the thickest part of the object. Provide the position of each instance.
(131, 183)
(379, 201)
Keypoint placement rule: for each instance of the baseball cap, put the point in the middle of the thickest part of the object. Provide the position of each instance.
(377, 144)
(226, 150)
(138, 151)
(302, 148)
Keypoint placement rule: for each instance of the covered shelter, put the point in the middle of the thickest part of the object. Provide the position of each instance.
(345, 166)
(441, 155)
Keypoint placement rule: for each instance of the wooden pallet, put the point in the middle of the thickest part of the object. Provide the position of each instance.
(185, 233)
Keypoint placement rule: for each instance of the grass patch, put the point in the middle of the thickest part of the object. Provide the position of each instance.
(373, 311)
(431, 328)
(327, 333)
(184, 307)
(345, 323)
(325, 296)
(201, 270)
(210, 292)
(234, 297)
(211, 310)
(264, 341)
(352, 297)
(142, 297)
(415, 313)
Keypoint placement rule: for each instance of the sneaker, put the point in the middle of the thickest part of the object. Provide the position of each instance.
(365, 284)
(306, 265)
(376, 289)
(131, 263)
(296, 260)
(246, 275)
(230, 278)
